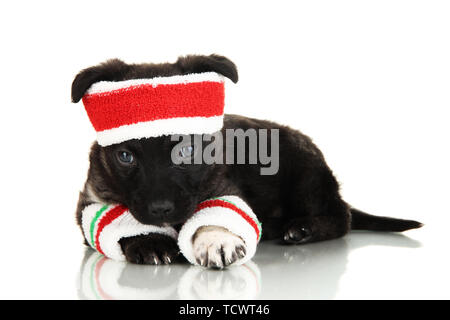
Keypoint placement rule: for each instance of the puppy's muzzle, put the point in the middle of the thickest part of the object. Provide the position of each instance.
(161, 208)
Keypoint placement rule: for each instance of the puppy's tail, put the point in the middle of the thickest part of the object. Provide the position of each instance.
(365, 221)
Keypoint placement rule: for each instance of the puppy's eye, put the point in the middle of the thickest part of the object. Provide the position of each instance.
(125, 157)
(186, 151)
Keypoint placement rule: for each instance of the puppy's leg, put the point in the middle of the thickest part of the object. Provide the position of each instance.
(316, 211)
(153, 248)
(216, 247)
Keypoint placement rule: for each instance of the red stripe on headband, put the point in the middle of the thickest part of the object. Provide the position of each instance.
(145, 102)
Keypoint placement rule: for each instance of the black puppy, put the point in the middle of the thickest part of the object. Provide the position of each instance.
(299, 204)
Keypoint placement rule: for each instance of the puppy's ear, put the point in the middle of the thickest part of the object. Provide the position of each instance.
(111, 70)
(214, 62)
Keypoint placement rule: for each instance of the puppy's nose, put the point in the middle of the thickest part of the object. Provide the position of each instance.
(161, 208)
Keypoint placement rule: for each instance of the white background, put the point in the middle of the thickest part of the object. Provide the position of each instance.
(367, 80)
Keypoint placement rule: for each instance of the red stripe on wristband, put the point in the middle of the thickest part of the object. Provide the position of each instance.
(143, 103)
(105, 220)
(225, 204)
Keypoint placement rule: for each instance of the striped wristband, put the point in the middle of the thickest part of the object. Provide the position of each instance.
(104, 225)
(230, 212)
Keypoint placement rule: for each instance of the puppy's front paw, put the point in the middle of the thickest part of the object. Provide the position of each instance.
(153, 248)
(216, 247)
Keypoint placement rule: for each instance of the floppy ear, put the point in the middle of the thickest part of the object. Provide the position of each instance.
(111, 70)
(214, 62)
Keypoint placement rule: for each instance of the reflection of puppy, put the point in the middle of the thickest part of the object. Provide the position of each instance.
(315, 271)
(299, 204)
(237, 283)
(101, 278)
(106, 279)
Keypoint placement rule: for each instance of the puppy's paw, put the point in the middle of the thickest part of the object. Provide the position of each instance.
(216, 247)
(153, 248)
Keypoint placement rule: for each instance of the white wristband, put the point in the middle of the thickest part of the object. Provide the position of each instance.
(230, 212)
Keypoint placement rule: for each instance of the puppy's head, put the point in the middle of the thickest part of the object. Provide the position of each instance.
(140, 173)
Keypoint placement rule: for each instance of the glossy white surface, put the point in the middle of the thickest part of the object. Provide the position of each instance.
(316, 271)
(362, 265)
(359, 266)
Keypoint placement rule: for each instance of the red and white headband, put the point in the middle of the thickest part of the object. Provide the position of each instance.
(144, 108)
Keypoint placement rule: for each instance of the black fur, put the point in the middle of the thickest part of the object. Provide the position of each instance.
(299, 204)
(117, 70)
